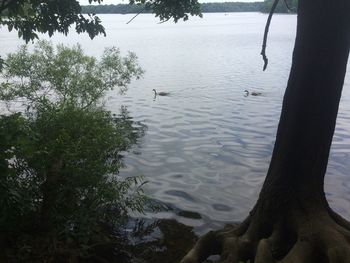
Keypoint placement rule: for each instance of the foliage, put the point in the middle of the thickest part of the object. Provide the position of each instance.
(65, 76)
(30, 17)
(61, 152)
(114, 9)
(169, 9)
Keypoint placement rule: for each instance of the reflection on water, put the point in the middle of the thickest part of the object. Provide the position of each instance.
(207, 147)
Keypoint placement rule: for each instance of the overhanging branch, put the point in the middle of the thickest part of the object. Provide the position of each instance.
(267, 26)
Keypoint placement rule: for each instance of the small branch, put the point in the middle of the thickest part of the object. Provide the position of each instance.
(143, 9)
(94, 100)
(287, 5)
(267, 26)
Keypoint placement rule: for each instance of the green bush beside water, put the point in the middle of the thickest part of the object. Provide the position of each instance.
(60, 153)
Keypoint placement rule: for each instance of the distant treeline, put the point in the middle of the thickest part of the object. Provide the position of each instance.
(287, 6)
(205, 7)
(231, 7)
(113, 9)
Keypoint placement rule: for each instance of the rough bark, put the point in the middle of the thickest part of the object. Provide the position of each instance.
(292, 221)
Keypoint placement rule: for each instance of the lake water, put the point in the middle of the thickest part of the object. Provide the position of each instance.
(207, 147)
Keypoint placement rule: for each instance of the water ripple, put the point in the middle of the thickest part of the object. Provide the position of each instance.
(207, 147)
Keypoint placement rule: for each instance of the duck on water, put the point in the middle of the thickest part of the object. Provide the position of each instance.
(253, 93)
(161, 93)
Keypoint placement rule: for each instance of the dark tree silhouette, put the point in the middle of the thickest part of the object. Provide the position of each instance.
(292, 221)
(30, 17)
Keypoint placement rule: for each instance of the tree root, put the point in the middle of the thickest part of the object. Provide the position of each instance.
(322, 237)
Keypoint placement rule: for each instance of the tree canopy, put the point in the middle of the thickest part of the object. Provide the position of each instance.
(30, 17)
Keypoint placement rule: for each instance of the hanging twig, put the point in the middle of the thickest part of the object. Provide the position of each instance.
(287, 5)
(267, 26)
(143, 9)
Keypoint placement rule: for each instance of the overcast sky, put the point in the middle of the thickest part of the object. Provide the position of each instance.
(85, 2)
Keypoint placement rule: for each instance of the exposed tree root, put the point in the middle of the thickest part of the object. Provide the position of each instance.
(319, 236)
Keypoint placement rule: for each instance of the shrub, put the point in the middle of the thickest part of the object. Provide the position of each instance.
(60, 152)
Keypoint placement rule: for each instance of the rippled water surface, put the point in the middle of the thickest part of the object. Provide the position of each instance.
(207, 147)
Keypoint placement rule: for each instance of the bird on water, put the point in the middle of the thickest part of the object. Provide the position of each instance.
(253, 93)
(161, 93)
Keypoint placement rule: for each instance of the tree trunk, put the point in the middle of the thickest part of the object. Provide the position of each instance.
(291, 221)
(310, 104)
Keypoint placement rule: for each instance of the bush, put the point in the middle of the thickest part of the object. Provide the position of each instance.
(60, 153)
